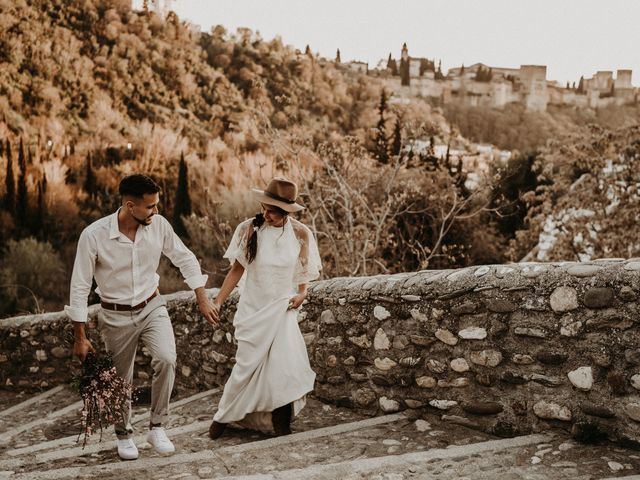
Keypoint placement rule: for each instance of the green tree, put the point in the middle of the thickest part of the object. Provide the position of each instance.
(338, 60)
(39, 225)
(381, 147)
(90, 183)
(22, 200)
(9, 182)
(182, 206)
(393, 66)
(439, 75)
(396, 147)
(514, 181)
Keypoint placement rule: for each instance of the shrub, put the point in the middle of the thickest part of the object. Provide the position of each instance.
(32, 273)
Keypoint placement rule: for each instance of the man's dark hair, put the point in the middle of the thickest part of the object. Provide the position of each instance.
(137, 185)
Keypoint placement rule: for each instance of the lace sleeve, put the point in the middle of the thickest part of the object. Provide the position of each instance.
(237, 247)
(309, 263)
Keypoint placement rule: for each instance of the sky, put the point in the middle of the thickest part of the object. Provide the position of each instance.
(571, 37)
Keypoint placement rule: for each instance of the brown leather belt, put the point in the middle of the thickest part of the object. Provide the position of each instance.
(116, 307)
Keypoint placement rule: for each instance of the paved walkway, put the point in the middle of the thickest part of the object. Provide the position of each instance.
(38, 441)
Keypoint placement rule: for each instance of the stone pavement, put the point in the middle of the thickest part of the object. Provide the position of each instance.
(38, 441)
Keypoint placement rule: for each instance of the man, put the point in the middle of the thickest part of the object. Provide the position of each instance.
(122, 252)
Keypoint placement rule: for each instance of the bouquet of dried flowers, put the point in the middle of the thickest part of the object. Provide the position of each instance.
(104, 393)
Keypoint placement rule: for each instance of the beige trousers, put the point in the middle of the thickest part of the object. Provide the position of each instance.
(121, 332)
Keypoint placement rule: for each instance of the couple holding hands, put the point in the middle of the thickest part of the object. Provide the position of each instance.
(273, 258)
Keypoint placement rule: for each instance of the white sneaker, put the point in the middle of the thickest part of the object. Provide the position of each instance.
(159, 441)
(127, 450)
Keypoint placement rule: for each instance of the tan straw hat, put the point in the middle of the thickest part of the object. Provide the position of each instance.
(281, 193)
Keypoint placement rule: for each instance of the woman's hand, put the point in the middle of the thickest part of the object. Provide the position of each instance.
(296, 301)
(216, 311)
(206, 307)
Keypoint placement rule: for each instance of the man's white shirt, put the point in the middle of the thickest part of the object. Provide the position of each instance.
(126, 271)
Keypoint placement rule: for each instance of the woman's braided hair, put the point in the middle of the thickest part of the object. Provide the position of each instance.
(256, 223)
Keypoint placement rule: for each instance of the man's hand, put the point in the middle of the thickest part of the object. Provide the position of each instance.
(209, 311)
(295, 302)
(82, 347)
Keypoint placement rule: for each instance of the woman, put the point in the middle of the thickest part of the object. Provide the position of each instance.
(278, 257)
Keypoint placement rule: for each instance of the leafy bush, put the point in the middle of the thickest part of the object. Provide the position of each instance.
(32, 274)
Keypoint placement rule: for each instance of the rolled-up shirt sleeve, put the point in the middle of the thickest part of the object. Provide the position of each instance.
(182, 258)
(82, 278)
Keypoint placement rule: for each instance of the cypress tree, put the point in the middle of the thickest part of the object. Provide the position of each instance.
(338, 60)
(22, 161)
(39, 227)
(381, 142)
(22, 199)
(90, 184)
(9, 182)
(182, 206)
(394, 67)
(396, 147)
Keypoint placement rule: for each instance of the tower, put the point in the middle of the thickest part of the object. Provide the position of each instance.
(404, 55)
(534, 80)
(405, 76)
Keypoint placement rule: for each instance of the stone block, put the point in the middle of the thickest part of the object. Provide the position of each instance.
(581, 378)
(478, 407)
(552, 411)
(446, 336)
(381, 340)
(598, 297)
(564, 299)
(487, 358)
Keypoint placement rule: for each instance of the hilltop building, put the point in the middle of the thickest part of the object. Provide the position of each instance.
(484, 85)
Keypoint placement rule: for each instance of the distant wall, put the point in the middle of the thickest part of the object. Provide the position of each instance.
(506, 349)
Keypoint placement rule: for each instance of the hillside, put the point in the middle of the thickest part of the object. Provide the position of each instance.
(95, 73)
(90, 91)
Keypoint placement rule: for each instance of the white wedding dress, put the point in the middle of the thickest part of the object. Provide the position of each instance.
(272, 366)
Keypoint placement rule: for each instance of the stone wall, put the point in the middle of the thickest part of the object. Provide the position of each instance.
(507, 349)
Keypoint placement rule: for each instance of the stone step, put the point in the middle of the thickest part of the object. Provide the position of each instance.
(31, 401)
(410, 462)
(34, 412)
(395, 447)
(73, 439)
(180, 459)
(629, 477)
(46, 419)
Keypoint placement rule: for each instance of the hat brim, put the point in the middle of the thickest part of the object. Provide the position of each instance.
(261, 197)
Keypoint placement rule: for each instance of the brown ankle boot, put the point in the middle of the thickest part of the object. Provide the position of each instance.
(216, 429)
(281, 418)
